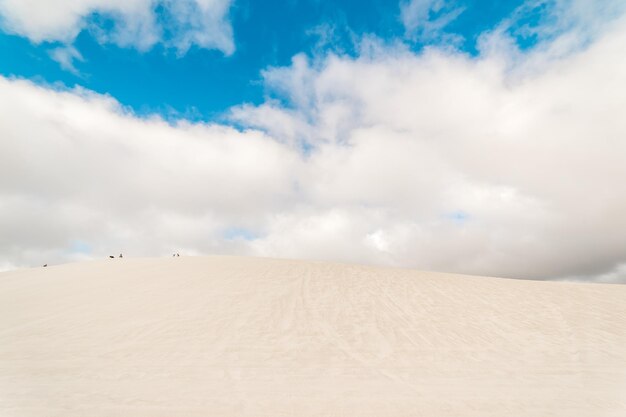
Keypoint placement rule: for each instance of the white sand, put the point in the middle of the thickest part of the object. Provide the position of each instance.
(228, 336)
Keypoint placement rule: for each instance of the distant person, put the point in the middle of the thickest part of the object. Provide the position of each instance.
(121, 255)
(178, 254)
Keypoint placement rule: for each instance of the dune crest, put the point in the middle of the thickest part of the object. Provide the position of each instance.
(233, 336)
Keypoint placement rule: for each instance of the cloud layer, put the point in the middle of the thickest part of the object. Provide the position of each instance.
(506, 164)
(128, 23)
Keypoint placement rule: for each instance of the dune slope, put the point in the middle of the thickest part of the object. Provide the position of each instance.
(230, 336)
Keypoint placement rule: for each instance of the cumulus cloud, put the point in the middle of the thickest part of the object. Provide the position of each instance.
(438, 160)
(404, 143)
(127, 23)
(76, 167)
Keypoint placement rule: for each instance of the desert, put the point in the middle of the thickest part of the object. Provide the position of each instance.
(238, 336)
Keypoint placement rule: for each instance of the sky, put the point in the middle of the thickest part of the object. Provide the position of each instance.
(479, 137)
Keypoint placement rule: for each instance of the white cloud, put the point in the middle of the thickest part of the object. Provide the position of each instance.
(371, 160)
(66, 56)
(185, 23)
(74, 166)
(532, 155)
(561, 27)
(203, 23)
(426, 19)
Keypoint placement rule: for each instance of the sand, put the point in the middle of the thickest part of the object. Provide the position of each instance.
(232, 336)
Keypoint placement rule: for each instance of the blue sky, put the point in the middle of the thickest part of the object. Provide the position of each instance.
(480, 137)
(202, 83)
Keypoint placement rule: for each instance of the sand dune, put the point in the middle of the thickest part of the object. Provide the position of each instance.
(230, 336)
